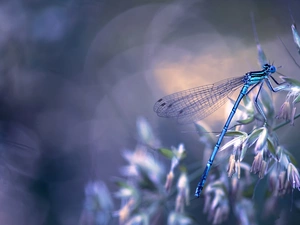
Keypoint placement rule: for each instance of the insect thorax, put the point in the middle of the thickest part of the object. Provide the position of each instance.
(247, 78)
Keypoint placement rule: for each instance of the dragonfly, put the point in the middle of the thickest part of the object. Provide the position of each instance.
(195, 104)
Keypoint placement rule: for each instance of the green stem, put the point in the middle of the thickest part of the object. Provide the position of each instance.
(285, 123)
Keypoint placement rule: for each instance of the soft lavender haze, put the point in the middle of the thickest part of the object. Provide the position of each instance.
(76, 75)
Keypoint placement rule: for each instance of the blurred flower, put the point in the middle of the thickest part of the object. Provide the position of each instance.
(143, 167)
(261, 140)
(219, 210)
(293, 115)
(281, 186)
(288, 108)
(207, 201)
(127, 191)
(263, 168)
(277, 182)
(285, 111)
(176, 218)
(145, 133)
(221, 214)
(235, 185)
(177, 155)
(293, 176)
(125, 211)
(231, 166)
(169, 181)
(218, 206)
(259, 137)
(244, 211)
(239, 143)
(258, 163)
(147, 187)
(182, 198)
(238, 166)
(97, 205)
(276, 179)
(139, 219)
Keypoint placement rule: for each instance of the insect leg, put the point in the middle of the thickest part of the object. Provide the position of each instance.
(277, 81)
(252, 88)
(258, 107)
(278, 88)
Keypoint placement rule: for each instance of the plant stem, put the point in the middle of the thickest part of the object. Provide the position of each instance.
(286, 122)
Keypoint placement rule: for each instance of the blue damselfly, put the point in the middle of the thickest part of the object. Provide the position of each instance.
(197, 103)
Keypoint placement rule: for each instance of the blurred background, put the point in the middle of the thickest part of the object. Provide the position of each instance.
(76, 75)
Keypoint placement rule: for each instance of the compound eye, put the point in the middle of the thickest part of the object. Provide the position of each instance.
(272, 69)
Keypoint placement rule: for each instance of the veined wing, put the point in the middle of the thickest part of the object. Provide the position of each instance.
(197, 103)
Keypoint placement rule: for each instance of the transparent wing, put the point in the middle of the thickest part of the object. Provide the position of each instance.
(262, 59)
(196, 103)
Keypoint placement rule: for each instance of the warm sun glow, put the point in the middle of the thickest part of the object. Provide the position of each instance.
(191, 71)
